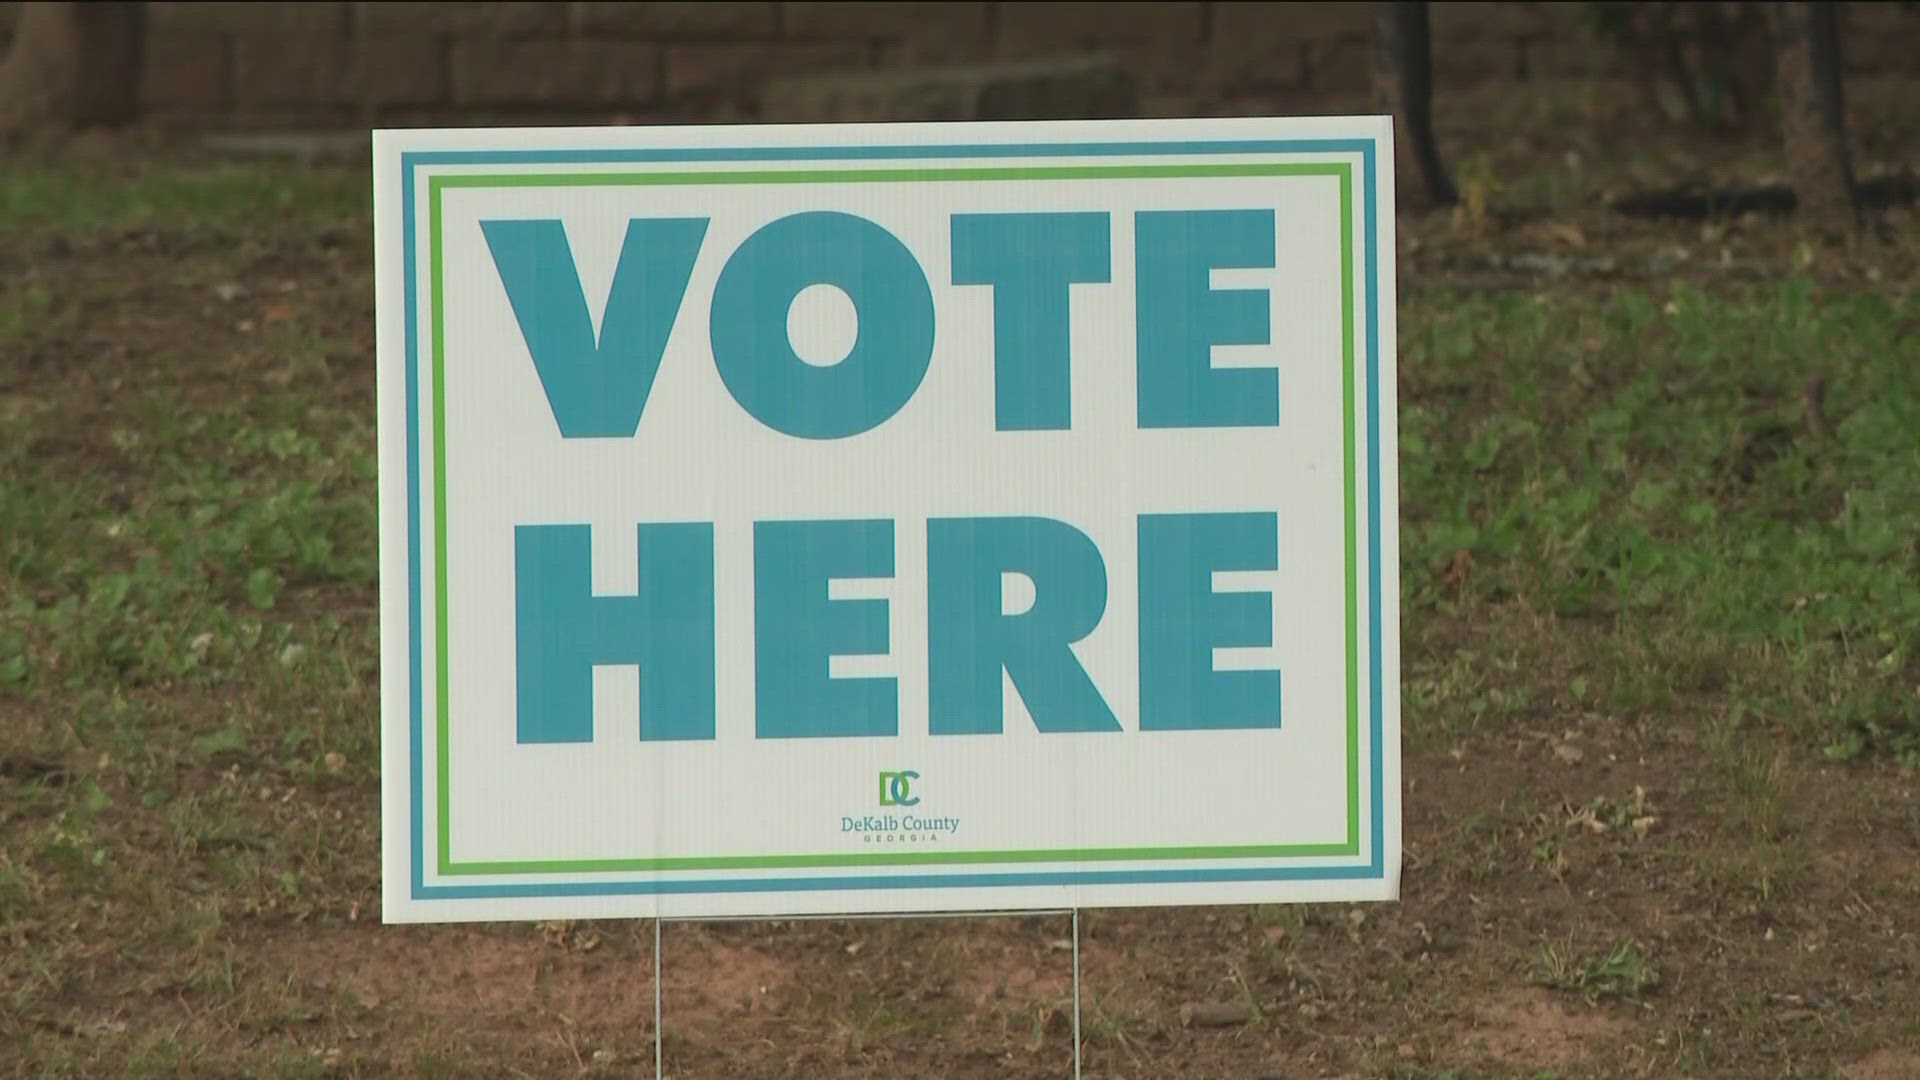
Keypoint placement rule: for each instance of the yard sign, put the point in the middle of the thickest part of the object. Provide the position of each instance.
(785, 520)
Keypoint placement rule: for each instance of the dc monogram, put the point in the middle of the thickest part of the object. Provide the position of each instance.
(896, 789)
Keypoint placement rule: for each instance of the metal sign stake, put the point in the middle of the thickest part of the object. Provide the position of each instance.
(659, 1059)
(1076, 994)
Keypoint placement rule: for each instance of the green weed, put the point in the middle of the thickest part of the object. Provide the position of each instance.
(1621, 972)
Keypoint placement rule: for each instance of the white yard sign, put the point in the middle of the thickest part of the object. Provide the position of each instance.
(887, 518)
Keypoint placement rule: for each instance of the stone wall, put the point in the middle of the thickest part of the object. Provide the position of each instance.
(325, 63)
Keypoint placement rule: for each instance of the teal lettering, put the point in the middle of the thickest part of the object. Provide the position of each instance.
(756, 359)
(798, 627)
(563, 631)
(970, 641)
(1182, 620)
(1180, 317)
(1031, 260)
(596, 388)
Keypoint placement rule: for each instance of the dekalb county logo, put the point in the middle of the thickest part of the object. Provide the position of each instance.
(896, 788)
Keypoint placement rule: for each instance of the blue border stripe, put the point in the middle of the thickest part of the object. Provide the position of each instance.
(412, 159)
(1377, 866)
(413, 521)
(882, 153)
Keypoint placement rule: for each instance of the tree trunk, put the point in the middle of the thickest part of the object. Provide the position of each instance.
(1806, 41)
(1403, 86)
(72, 65)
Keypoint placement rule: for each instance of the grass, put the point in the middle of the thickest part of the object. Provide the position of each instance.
(1615, 504)
(207, 199)
(1622, 971)
(1756, 775)
(200, 550)
(186, 633)
(1637, 471)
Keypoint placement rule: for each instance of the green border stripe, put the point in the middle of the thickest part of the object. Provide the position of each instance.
(438, 286)
(1353, 569)
(902, 858)
(435, 185)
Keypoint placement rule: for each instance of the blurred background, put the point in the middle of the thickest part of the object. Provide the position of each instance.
(1587, 100)
(335, 64)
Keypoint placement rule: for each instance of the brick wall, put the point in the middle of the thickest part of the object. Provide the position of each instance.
(317, 62)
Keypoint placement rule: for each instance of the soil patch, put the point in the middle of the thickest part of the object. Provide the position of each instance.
(1535, 1029)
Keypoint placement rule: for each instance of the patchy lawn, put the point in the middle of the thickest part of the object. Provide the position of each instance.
(1661, 613)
